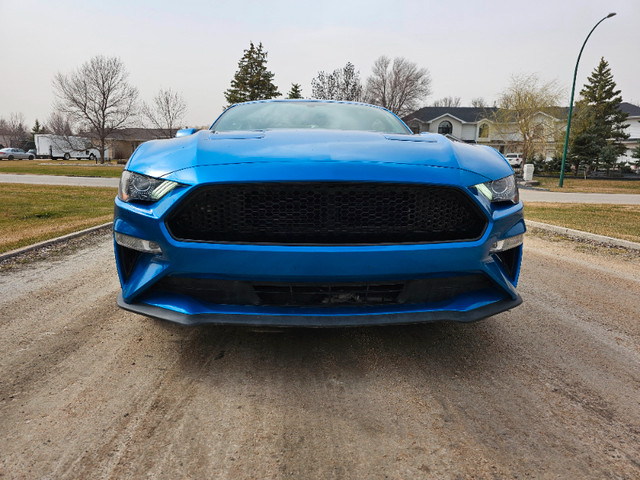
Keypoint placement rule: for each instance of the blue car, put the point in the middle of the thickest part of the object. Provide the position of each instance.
(317, 214)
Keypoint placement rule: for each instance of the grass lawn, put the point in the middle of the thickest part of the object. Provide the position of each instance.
(619, 221)
(579, 184)
(72, 168)
(32, 213)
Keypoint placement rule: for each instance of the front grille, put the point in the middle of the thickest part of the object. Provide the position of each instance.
(229, 292)
(306, 213)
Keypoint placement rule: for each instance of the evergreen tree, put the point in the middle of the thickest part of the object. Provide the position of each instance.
(37, 128)
(252, 80)
(600, 122)
(295, 92)
(636, 154)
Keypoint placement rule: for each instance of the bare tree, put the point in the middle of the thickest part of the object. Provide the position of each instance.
(478, 102)
(343, 84)
(98, 97)
(59, 124)
(166, 113)
(527, 115)
(447, 102)
(15, 130)
(399, 86)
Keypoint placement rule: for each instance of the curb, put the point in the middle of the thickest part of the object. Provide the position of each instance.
(580, 235)
(53, 241)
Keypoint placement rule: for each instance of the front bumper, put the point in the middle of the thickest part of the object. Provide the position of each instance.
(282, 263)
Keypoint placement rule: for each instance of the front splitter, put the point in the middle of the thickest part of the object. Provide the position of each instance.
(320, 321)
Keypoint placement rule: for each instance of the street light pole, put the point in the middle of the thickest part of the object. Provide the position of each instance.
(573, 88)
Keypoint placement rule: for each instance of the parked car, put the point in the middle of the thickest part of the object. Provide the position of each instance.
(514, 159)
(316, 213)
(15, 154)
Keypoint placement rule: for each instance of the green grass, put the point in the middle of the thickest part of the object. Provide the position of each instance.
(72, 168)
(619, 221)
(33, 213)
(573, 184)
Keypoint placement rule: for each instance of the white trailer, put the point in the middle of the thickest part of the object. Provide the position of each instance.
(62, 146)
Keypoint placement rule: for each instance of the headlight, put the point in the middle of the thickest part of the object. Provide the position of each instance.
(134, 186)
(501, 190)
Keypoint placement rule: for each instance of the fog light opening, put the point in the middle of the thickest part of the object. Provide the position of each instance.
(507, 243)
(139, 244)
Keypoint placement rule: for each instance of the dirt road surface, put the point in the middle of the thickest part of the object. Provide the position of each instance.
(548, 390)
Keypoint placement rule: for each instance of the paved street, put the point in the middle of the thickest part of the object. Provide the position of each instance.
(556, 197)
(525, 194)
(58, 180)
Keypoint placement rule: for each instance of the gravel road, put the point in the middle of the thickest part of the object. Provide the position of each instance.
(548, 390)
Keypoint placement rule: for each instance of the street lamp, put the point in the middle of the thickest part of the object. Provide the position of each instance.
(573, 88)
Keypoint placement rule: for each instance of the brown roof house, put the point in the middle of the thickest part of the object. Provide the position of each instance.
(122, 144)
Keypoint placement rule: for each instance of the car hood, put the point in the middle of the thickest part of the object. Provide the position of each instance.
(166, 158)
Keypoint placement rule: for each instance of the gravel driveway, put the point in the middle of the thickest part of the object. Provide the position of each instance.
(548, 390)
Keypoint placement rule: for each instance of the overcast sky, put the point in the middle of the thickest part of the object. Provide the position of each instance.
(471, 48)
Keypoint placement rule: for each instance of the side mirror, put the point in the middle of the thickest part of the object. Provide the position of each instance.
(185, 132)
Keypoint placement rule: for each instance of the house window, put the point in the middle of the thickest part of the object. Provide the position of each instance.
(445, 128)
(415, 126)
(484, 131)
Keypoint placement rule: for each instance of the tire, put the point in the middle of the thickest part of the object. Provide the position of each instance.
(92, 157)
(10, 157)
(31, 157)
(67, 156)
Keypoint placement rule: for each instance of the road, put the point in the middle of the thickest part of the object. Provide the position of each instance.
(527, 195)
(548, 390)
(58, 180)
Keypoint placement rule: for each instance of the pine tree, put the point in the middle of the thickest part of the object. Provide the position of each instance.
(37, 128)
(636, 154)
(252, 80)
(295, 92)
(601, 123)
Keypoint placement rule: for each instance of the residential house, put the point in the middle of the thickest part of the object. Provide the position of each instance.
(474, 125)
(633, 120)
(122, 144)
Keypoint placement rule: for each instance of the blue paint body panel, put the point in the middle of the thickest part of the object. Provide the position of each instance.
(208, 158)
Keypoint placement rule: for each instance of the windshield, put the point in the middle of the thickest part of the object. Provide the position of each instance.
(327, 115)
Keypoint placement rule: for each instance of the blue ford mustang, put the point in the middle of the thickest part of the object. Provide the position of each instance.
(316, 213)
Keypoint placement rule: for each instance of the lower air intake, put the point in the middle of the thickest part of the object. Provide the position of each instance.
(228, 292)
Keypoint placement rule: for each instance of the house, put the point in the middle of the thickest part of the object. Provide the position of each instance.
(633, 120)
(461, 122)
(122, 144)
(475, 125)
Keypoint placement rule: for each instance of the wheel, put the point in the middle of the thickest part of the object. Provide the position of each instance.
(31, 157)
(67, 156)
(92, 157)
(10, 157)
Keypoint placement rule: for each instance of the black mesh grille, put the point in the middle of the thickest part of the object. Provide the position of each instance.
(229, 292)
(326, 213)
